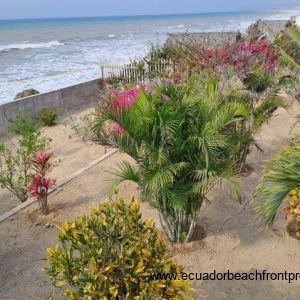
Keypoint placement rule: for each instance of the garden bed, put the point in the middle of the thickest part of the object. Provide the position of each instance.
(227, 234)
(66, 146)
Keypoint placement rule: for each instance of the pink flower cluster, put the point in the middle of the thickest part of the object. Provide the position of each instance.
(261, 51)
(118, 129)
(259, 47)
(243, 57)
(121, 100)
(220, 53)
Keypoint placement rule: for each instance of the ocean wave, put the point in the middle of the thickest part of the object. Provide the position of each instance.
(24, 46)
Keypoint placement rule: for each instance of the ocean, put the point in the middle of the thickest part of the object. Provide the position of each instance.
(49, 54)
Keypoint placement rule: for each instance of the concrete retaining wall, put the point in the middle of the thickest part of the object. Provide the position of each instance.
(67, 100)
(272, 28)
(269, 28)
(215, 39)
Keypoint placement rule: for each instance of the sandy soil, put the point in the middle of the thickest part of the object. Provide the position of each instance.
(228, 236)
(66, 146)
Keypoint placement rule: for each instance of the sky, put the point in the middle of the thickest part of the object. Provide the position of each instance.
(19, 9)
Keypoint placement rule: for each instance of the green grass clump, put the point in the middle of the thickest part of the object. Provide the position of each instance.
(48, 116)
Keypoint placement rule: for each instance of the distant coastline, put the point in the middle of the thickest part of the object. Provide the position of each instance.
(50, 54)
(153, 15)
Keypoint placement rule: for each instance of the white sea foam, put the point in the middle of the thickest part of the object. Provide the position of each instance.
(88, 45)
(283, 14)
(23, 46)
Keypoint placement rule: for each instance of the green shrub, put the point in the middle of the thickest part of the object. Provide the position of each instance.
(21, 125)
(83, 126)
(111, 254)
(258, 80)
(48, 116)
(185, 139)
(16, 164)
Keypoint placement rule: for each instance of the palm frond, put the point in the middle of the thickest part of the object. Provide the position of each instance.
(227, 178)
(288, 61)
(263, 112)
(125, 171)
(294, 37)
(177, 196)
(280, 177)
(124, 143)
(158, 180)
(231, 113)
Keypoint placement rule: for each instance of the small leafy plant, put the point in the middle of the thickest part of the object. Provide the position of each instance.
(16, 162)
(48, 116)
(22, 125)
(83, 127)
(41, 184)
(111, 254)
(258, 80)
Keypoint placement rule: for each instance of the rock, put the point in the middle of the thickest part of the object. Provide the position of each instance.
(26, 93)
(49, 225)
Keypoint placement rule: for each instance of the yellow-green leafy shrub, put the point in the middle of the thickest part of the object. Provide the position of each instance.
(292, 211)
(48, 116)
(111, 254)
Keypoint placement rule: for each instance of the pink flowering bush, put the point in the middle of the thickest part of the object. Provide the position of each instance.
(250, 61)
(243, 57)
(118, 101)
(123, 99)
(117, 128)
(41, 184)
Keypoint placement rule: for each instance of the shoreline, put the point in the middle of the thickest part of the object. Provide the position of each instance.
(269, 27)
(77, 59)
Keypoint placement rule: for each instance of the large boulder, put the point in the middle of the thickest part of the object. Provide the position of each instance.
(26, 93)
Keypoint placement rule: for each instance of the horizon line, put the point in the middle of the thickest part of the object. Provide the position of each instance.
(143, 15)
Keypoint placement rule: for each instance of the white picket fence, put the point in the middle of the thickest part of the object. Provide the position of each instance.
(135, 72)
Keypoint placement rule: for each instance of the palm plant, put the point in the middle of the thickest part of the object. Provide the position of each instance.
(280, 177)
(289, 42)
(258, 109)
(182, 144)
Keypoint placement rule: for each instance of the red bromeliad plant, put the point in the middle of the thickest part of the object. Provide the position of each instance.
(41, 185)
